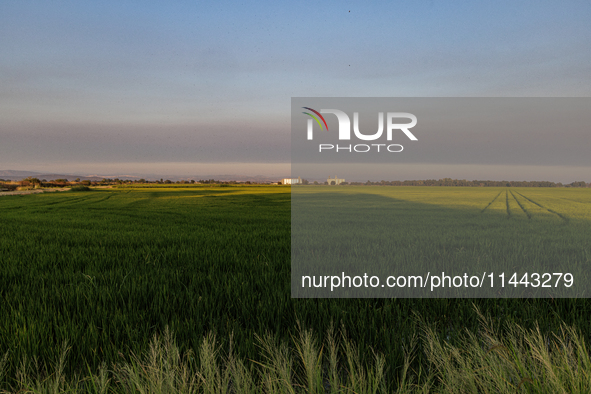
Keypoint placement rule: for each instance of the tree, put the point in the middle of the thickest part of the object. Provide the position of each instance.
(578, 184)
(30, 179)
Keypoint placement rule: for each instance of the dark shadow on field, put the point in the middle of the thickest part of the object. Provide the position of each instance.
(342, 234)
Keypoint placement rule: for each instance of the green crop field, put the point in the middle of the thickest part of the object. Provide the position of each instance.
(106, 269)
(415, 230)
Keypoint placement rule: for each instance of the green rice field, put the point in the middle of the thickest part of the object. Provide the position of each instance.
(107, 269)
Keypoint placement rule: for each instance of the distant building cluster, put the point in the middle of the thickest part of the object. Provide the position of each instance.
(334, 181)
(291, 181)
(300, 181)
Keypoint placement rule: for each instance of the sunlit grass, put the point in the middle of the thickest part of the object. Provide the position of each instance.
(520, 360)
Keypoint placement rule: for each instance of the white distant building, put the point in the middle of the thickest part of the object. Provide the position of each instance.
(291, 181)
(335, 180)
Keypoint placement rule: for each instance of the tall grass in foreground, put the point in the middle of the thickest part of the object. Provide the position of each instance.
(521, 361)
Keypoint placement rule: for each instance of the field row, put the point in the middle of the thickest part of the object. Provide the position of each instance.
(519, 206)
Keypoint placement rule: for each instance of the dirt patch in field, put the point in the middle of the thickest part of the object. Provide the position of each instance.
(37, 191)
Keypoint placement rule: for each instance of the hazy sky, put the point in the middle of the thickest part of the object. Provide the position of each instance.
(195, 87)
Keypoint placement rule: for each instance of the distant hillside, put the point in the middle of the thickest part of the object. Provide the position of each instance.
(17, 175)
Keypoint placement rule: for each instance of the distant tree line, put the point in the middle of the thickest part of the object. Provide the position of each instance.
(36, 182)
(474, 183)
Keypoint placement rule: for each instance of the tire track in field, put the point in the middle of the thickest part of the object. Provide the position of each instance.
(51, 204)
(489, 204)
(543, 207)
(65, 200)
(521, 206)
(576, 201)
(102, 199)
(91, 199)
(507, 203)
